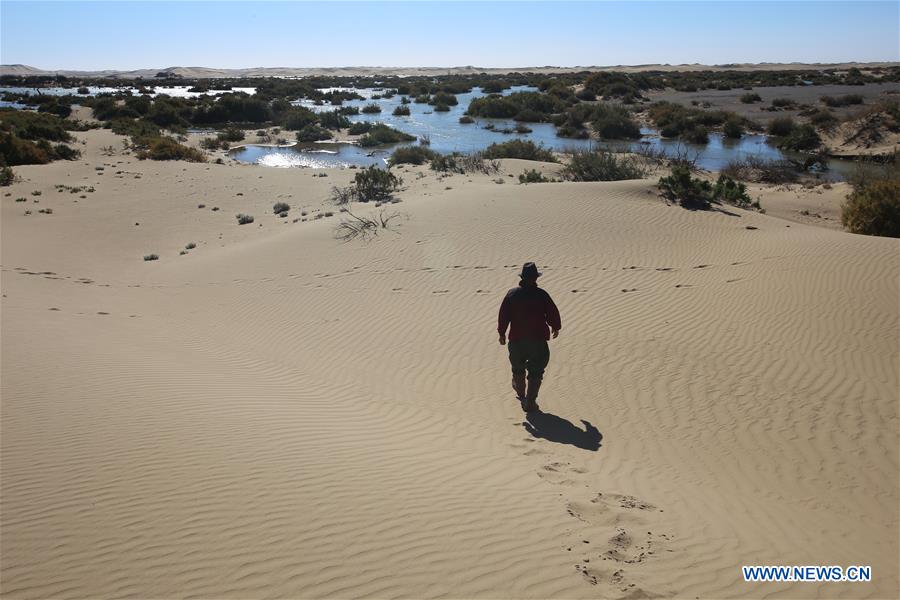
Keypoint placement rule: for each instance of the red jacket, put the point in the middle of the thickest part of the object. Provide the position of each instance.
(529, 312)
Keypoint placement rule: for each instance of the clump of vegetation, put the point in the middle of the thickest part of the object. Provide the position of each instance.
(781, 126)
(760, 170)
(190, 246)
(750, 98)
(371, 109)
(733, 129)
(847, 100)
(359, 128)
(695, 193)
(243, 219)
(523, 149)
(374, 184)
(281, 207)
(532, 176)
(31, 138)
(411, 155)
(466, 120)
(873, 207)
(602, 165)
(7, 177)
(401, 111)
(691, 124)
(529, 107)
(801, 137)
(166, 148)
(782, 103)
(313, 133)
(231, 134)
(380, 134)
(464, 163)
(149, 257)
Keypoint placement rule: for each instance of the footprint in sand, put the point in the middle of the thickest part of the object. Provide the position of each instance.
(440, 291)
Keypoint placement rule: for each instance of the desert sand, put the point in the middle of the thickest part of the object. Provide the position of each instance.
(280, 414)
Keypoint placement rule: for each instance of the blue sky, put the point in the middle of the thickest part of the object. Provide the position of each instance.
(129, 35)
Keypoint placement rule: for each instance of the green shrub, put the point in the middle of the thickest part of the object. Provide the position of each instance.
(466, 119)
(243, 219)
(524, 149)
(29, 125)
(374, 184)
(602, 165)
(411, 155)
(696, 135)
(296, 118)
(781, 126)
(822, 118)
(847, 100)
(532, 176)
(371, 108)
(782, 102)
(313, 133)
(380, 134)
(750, 98)
(149, 257)
(333, 119)
(401, 111)
(733, 129)
(614, 123)
(681, 188)
(731, 192)
(359, 128)
(7, 177)
(280, 207)
(874, 209)
(231, 134)
(443, 98)
(441, 108)
(801, 137)
(166, 148)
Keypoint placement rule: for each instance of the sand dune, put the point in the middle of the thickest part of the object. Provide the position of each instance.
(281, 414)
(362, 71)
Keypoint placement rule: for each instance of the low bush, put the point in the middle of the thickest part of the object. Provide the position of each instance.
(781, 126)
(333, 119)
(401, 111)
(847, 100)
(149, 257)
(7, 177)
(380, 134)
(760, 170)
(602, 165)
(280, 207)
(231, 134)
(441, 108)
(729, 191)
(782, 102)
(359, 128)
(801, 137)
(874, 209)
(313, 133)
(443, 98)
(243, 219)
(823, 119)
(411, 155)
(524, 149)
(733, 129)
(532, 176)
(464, 163)
(166, 148)
(750, 98)
(371, 109)
(466, 119)
(614, 123)
(690, 192)
(374, 184)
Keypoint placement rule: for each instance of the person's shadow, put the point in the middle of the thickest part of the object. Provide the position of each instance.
(556, 429)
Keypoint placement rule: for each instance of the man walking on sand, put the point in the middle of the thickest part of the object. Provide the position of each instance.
(530, 314)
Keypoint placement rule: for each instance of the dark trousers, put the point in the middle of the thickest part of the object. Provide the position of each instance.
(529, 355)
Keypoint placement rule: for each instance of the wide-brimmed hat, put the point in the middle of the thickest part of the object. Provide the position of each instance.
(529, 271)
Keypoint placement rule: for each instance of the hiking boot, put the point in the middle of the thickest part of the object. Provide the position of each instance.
(534, 386)
(518, 385)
